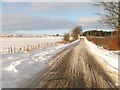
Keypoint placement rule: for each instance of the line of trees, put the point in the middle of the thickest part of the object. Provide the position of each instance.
(99, 33)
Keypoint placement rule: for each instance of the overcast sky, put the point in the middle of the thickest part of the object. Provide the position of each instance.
(48, 17)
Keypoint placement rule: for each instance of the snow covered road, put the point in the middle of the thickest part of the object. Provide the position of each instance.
(78, 68)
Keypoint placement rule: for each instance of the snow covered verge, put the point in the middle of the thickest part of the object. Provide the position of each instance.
(108, 57)
(20, 67)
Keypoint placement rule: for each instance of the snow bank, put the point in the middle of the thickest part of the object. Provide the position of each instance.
(20, 67)
(108, 57)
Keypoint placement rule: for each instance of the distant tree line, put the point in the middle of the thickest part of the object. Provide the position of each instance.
(99, 33)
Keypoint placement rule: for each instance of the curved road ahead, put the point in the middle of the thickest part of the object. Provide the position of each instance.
(78, 68)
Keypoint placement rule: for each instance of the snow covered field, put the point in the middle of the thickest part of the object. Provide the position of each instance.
(18, 42)
(20, 67)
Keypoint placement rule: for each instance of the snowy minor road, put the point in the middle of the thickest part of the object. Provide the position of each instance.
(77, 68)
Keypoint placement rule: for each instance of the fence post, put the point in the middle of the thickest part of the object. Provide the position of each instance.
(8, 50)
(14, 50)
(23, 48)
(27, 48)
(47, 43)
(38, 45)
(20, 49)
(31, 48)
(11, 51)
(41, 44)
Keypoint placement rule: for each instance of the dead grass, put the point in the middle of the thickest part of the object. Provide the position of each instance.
(62, 42)
(111, 42)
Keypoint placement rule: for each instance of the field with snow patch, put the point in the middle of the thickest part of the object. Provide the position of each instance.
(20, 42)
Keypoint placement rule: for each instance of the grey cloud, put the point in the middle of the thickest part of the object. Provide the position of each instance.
(91, 23)
(20, 22)
(66, 7)
(16, 22)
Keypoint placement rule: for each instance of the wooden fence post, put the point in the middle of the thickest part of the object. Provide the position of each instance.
(14, 50)
(47, 43)
(11, 51)
(8, 50)
(31, 48)
(27, 48)
(23, 48)
(20, 49)
(38, 45)
(41, 45)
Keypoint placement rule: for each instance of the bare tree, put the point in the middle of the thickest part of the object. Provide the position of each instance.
(76, 31)
(111, 16)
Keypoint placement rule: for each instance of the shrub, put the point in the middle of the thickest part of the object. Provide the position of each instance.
(66, 37)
